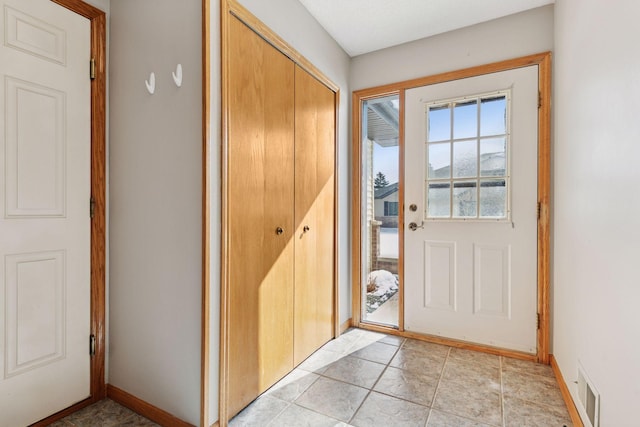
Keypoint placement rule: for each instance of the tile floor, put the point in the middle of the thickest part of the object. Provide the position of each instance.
(367, 379)
(105, 413)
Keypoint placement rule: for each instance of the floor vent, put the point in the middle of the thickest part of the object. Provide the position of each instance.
(589, 398)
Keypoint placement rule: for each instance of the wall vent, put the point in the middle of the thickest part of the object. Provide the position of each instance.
(589, 398)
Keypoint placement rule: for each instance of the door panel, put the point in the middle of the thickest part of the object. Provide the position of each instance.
(314, 208)
(45, 120)
(261, 156)
(473, 278)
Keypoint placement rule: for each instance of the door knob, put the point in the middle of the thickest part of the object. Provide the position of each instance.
(279, 231)
(413, 226)
(305, 228)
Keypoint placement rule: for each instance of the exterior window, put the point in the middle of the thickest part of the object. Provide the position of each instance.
(390, 208)
(467, 145)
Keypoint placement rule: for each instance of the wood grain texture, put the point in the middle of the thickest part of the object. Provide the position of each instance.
(223, 368)
(544, 190)
(261, 199)
(356, 210)
(206, 215)
(143, 408)
(566, 395)
(97, 20)
(240, 12)
(315, 213)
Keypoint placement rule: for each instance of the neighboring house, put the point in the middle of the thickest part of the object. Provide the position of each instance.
(386, 205)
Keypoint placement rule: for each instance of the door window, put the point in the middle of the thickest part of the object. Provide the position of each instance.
(467, 173)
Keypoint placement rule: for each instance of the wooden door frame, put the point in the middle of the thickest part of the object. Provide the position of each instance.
(97, 19)
(543, 61)
(229, 9)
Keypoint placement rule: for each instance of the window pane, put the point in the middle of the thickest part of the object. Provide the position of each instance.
(493, 198)
(439, 201)
(493, 116)
(465, 198)
(465, 120)
(439, 123)
(465, 159)
(440, 160)
(493, 157)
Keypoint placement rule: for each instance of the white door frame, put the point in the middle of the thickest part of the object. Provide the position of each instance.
(97, 19)
(543, 61)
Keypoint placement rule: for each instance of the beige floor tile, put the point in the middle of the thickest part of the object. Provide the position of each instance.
(426, 347)
(104, 413)
(260, 413)
(355, 371)
(293, 385)
(476, 403)
(532, 388)
(393, 340)
(472, 374)
(442, 419)
(376, 352)
(407, 385)
(475, 357)
(333, 398)
(532, 368)
(380, 410)
(297, 416)
(319, 361)
(419, 362)
(519, 413)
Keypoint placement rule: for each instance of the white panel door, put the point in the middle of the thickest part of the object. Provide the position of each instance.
(471, 192)
(45, 124)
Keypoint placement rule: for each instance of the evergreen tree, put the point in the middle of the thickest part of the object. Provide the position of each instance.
(380, 181)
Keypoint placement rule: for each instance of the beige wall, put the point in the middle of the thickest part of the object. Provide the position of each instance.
(505, 38)
(597, 226)
(155, 204)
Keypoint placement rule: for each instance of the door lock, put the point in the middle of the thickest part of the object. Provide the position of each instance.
(413, 226)
(413, 207)
(279, 231)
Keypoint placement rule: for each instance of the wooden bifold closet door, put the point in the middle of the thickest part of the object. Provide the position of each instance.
(281, 166)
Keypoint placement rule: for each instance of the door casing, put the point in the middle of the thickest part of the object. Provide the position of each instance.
(543, 61)
(97, 19)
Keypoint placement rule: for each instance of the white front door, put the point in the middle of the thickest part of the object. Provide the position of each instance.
(45, 144)
(471, 192)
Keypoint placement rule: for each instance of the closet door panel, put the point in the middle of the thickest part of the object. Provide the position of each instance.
(314, 214)
(261, 190)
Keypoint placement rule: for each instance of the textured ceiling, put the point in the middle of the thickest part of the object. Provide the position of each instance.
(362, 26)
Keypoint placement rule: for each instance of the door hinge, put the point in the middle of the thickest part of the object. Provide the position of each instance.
(92, 68)
(539, 99)
(92, 207)
(92, 345)
(538, 321)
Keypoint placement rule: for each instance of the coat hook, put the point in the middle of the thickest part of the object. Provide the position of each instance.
(151, 83)
(177, 76)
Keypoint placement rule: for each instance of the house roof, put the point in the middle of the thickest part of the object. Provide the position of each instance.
(381, 193)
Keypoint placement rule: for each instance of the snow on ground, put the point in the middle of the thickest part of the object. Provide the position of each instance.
(386, 285)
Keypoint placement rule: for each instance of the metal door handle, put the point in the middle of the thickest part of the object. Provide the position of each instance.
(279, 231)
(305, 228)
(413, 226)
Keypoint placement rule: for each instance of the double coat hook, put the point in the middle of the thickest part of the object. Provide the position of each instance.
(177, 79)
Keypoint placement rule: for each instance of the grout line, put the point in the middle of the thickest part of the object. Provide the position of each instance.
(435, 392)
